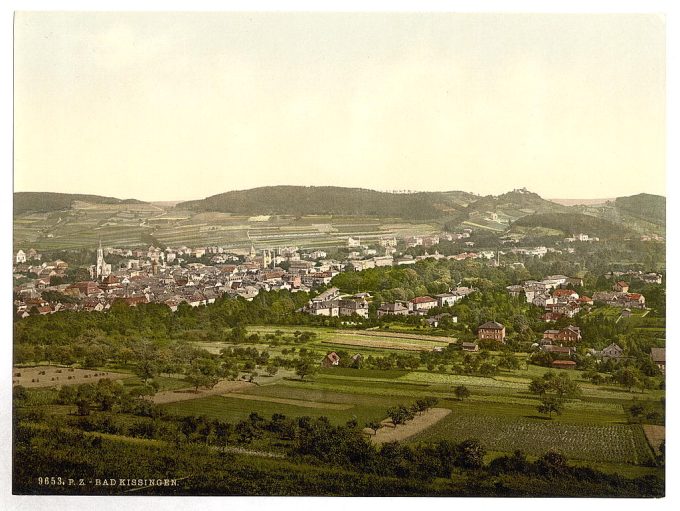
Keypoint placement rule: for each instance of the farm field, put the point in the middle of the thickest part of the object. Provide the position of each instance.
(329, 339)
(611, 443)
(229, 408)
(51, 376)
(130, 225)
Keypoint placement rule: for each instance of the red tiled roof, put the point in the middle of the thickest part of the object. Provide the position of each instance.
(423, 299)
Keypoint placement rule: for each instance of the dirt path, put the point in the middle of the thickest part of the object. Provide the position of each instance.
(223, 387)
(655, 435)
(390, 433)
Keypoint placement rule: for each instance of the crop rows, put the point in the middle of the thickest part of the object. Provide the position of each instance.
(454, 379)
(612, 443)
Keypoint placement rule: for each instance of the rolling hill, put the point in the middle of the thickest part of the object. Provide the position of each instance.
(45, 202)
(327, 200)
(317, 217)
(574, 223)
(647, 207)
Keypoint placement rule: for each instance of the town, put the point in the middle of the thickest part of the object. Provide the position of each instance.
(174, 276)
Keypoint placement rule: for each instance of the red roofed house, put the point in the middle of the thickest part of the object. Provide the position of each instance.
(491, 331)
(135, 300)
(422, 304)
(551, 316)
(565, 294)
(621, 287)
(569, 334)
(330, 360)
(86, 288)
(635, 300)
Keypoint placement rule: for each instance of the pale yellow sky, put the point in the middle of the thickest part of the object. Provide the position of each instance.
(180, 106)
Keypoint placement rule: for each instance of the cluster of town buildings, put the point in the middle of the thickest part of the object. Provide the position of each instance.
(153, 275)
(156, 275)
(551, 295)
(558, 301)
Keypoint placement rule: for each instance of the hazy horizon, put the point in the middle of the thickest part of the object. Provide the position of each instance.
(566, 105)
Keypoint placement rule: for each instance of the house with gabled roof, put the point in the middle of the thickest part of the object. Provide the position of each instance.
(658, 356)
(331, 359)
(491, 330)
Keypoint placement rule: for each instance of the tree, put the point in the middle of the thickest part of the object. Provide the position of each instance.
(147, 363)
(538, 386)
(565, 387)
(637, 409)
(508, 361)
(203, 372)
(559, 384)
(627, 377)
(550, 405)
(399, 414)
(67, 395)
(374, 425)
(461, 392)
(305, 367)
(272, 369)
(469, 454)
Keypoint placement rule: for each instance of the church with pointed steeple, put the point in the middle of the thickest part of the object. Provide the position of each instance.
(100, 270)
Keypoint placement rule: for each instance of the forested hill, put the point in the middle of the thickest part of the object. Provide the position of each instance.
(651, 208)
(518, 202)
(574, 223)
(43, 202)
(328, 200)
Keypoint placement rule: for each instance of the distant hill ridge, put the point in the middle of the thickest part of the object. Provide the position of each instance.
(645, 206)
(328, 200)
(575, 223)
(622, 216)
(44, 202)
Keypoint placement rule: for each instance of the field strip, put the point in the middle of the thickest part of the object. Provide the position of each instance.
(458, 379)
(396, 335)
(287, 401)
(222, 387)
(377, 343)
(404, 431)
(655, 435)
(367, 379)
(481, 226)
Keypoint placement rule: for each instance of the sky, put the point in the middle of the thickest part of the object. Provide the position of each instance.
(161, 106)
